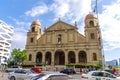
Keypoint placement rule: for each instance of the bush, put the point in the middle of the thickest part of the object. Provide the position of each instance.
(27, 66)
(69, 65)
(39, 64)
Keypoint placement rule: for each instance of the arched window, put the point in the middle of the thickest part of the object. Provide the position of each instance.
(92, 35)
(31, 40)
(91, 23)
(82, 57)
(94, 57)
(33, 29)
(30, 57)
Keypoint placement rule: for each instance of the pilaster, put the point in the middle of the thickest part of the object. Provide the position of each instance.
(52, 59)
(76, 57)
(66, 57)
(43, 57)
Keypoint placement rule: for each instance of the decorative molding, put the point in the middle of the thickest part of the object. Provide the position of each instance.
(43, 49)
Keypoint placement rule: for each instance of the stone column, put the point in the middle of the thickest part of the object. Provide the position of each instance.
(52, 59)
(33, 58)
(89, 57)
(66, 57)
(76, 57)
(43, 58)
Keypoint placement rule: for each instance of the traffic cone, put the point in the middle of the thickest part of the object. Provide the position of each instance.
(2, 75)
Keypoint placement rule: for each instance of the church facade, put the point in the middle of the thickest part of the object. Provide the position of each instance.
(62, 44)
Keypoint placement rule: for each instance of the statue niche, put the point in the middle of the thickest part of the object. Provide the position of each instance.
(59, 39)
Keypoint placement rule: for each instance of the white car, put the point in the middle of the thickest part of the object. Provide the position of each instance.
(99, 75)
(21, 75)
(13, 68)
(52, 76)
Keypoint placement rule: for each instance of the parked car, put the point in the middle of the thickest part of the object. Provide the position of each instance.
(12, 68)
(99, 75)
(36, 69)
(110, 71)
(21, 75)
(51, 76)
(68, 71)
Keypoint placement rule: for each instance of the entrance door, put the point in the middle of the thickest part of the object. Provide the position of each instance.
(61, 59)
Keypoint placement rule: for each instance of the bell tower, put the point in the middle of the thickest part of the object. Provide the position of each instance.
(34, 33)
(93, 38)
(91, 28)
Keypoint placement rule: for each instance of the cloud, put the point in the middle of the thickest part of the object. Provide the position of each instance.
(109, 22)
(73, 10)
(19, 40)
(60, 8)
(20, 26)
(20, 33)
(37, 10)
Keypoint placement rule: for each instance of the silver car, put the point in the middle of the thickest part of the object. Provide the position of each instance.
(21, 75)
(13, 68)
(52, 76)
(99, 75)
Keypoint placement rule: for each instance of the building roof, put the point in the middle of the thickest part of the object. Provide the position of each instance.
(36, 22)
(60, 25)
(89, 16)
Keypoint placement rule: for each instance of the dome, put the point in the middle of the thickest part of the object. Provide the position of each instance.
(36, 22)
(89, 16)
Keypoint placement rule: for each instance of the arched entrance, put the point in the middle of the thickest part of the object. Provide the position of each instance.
(59, 57)
(82, 57)
(71, 57)
(39, 57)
(48, 58)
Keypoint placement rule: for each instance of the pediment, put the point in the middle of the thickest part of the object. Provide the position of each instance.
(60, 25)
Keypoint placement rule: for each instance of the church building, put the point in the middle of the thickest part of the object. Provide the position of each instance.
(61, 43)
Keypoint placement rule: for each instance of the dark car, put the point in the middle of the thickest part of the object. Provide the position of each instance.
(108, 70)
(68, 71)
(36, 69)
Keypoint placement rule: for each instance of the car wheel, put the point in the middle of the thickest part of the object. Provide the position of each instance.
(12, 78)
(74, 72)
(68, 73)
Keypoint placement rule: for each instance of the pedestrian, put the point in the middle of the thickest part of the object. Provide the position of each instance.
(114, 71)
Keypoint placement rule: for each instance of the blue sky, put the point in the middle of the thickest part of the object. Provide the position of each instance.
(21, 13)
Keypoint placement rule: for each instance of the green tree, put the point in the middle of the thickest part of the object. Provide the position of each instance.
(99, 65)
(18, 56)
(23, 56)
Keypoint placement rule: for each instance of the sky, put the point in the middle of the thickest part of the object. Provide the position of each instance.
(21, 13)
